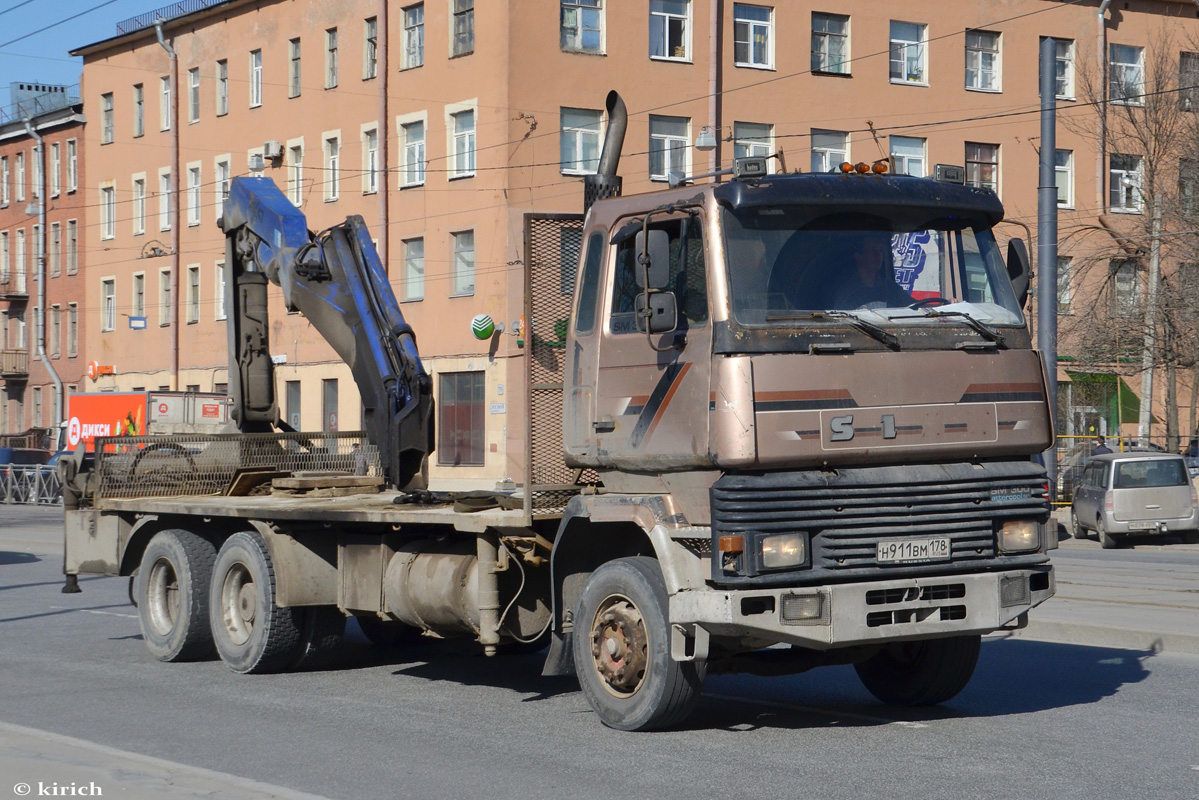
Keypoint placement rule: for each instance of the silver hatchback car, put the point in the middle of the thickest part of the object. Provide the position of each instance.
(1141, 493)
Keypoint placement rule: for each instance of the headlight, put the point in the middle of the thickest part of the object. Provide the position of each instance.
(788, 550)
(1019, 536)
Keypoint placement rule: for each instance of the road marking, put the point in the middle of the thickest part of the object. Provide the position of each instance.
(812, 710)
(93, 611)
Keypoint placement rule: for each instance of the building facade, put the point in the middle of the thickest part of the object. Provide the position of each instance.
(42, 263)
(443, 123)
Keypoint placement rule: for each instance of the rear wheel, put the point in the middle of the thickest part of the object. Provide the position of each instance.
(1105, 539)
(621, 645)
(171, 595)
(920, 673)
(1076, 527)
(321, 631)
(251, 633)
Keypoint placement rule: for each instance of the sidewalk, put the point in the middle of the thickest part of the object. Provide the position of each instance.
(1149, 606)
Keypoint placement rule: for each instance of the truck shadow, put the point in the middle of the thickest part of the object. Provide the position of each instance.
(9, 557)
(1013, 677)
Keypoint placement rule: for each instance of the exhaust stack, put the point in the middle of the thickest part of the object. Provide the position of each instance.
(606, 183)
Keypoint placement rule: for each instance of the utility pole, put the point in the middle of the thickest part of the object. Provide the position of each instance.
(1148, 353)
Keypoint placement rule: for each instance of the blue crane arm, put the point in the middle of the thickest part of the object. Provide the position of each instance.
(337, 281)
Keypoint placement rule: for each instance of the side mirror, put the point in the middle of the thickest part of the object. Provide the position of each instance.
(1018, 270)
(663, 316)
(657, 249)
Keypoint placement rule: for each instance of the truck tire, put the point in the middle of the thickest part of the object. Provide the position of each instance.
(388, 634)
(171, 592)
(920, 673)
(621, 647)
(1076, 527)
(1106, 540)
(252, 634)
(321, 631)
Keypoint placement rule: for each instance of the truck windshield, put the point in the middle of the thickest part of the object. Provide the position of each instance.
(784, 265)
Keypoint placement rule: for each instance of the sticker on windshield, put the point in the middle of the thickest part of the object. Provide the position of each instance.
(916, 258)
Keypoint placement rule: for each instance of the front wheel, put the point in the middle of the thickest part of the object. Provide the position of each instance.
(1076, 527)
(170, 591)
(621, 645)
(252, 634)
(921, 673)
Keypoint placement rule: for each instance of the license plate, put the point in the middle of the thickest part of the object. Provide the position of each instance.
(1144, 526)
(910, 550)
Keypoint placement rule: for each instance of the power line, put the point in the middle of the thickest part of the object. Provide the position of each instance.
(60, 22)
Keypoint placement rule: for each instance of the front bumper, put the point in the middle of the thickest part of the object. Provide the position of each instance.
(867, 612)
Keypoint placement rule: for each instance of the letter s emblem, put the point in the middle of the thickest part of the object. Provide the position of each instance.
(842, 428)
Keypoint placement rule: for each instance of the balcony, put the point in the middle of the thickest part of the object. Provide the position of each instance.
(13, 286)
(14, 364)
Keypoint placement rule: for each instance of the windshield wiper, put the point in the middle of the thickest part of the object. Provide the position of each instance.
(868, 328)
(981, 328)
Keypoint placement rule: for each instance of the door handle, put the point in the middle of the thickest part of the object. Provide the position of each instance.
(605, 425)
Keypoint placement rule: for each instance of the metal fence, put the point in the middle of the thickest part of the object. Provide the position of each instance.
(171, 11)
(198, 464)
(34, 484)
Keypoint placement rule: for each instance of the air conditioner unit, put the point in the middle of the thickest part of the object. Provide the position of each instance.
(257, 161)
(272, 149)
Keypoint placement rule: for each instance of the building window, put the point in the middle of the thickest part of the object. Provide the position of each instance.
(139, 206)
(72, 247)
(164, 201)
(461, 418)
(108, 304)
(332, 168)
(164, 84)
(464, 28)
(139, 110)
(1063, 66)
(106, 124)
(193, 195)
(20, 177)
(55, 249)
(414, 269)
(329, 405)
(830, 149)
(35, 158)
(36, 419)
(583, 26)
(830, 43)
(55, 170)
(4, 178)
(255, 78)
(5, 258)
(108, 212)
(219, 291)
(20, 261)
(72, 166)
(908, 52)
(193, 94)
(222, 187)
(193, 294)
(1188, 81)
(293, 69)
(72, 329)
(464, 263)
(222, 87)
(668, 146)
(908, 156)
(1063, 176)
(414, 36)
(464, 144)
(1125, 184)
(669, 29)
(295, 174)
(982, 166)
(1125, 286)
(752, 42)
(370, 161)
(982, 61)
(164, 297)
(331, 58)
(292, 404)
(139, 295)
(412, 171)
(370, 48)
(580, 141)
(55, 330)
(1127, 74)
(751, 139)
(1063, 284)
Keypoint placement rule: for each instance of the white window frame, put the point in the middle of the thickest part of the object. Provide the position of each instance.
(901, 155)
(4, 181)
(108, 211)
(137, 305)
(984, 65)
(72, 165)
(72, 330)
(823, 36)
(295, 171)
(55, 330)
(20, 177)
(975, 165)
(413, 52)
(1063, 177)
(1126, 77)
(165, 185)
(194, 202)
(414, 269)
(575, 23)
(331, 147)
(193, 95)
(294, 67)
(164, 297)
(255, 78)
(579, 137)
(462, 251)
(412, 149)
(1131, 201)
(220, 168)
(370, 158)
(370, 48)
(672, 147)
(72, 246)
(830, 148)
(1063, 68)
(55, 169)
(463, 143)
(55, 249)
(108, 303)
(107, 129)
(193, 293)
(1065, 293)
(665, 19)
(222, 87)
(462, 28)
(219, 291)
(330, 58)
(906, 76)
(139, 110)
(165, 98)
(139, 204)
(744, 30)
(748, 141)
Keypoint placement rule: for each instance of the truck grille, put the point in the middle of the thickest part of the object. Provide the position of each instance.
(848, 512)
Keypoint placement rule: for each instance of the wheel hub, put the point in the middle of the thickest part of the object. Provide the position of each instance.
(239, 604)
(619, 645)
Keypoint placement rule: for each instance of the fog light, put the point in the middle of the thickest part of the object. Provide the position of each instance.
(802, 609)
(789, 550)
(1019, 536)
(1014, 591)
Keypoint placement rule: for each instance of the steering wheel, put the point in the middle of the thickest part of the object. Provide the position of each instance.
(930, 301)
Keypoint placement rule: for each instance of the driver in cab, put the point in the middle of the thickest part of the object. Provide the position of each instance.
(870, 280)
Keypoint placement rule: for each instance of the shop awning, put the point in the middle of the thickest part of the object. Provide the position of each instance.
(1105, 382)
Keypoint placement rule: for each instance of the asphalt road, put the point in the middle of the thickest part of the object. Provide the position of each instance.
(1039, 720)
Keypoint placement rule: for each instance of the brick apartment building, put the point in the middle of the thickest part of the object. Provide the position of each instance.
(42, 215)
(444, 122)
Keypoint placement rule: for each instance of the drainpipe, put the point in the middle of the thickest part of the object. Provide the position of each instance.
(40, 247)
(382, 150)
(176, 221)
(1100, 156)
